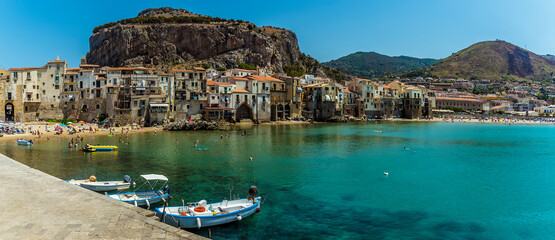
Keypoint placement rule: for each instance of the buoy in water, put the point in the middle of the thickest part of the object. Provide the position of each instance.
(385, 173)
(250, 158)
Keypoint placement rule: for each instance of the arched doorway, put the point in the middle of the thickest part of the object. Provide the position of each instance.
(9, 110)
(244, 111)
(273, 116)
(280, 112)
(287, 111)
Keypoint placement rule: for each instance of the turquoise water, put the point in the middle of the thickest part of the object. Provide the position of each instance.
(457, 181)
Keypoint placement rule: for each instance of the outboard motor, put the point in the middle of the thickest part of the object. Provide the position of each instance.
(167, 189)
(253, 191)
(127, 179)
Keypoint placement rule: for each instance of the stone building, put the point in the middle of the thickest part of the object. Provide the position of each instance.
(31, 94)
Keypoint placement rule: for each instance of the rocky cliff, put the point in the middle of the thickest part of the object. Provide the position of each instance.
(166, 37)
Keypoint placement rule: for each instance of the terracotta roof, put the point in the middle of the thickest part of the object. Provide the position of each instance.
(210, 83)
(71, 73)
(496, 107)
(182, 70)
(26, 68)
(240, 78)
(199, 69)
(222, 84)
(243, 70)
(388, 87)
(347, 91)
(458, 99)
(128, 68)
(57, 61)
(264, 78)
(239, 91)
(72, 69)
(88, 65)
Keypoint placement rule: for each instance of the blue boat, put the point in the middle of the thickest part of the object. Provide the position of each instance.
(24, 142)
(203, 214)
(148, 197)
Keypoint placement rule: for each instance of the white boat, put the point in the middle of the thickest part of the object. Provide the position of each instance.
(203, 214)
(102, 186)
(148, 197)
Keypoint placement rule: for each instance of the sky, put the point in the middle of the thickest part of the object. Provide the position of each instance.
(36, 31)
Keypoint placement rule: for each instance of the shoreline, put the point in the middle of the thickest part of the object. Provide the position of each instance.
(122, 131)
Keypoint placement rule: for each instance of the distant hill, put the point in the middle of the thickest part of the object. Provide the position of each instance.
(372, 64)
(493, 60)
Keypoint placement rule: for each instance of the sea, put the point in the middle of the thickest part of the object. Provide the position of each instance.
(374, 180)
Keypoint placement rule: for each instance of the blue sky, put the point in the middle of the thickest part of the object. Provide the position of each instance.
(34, 32)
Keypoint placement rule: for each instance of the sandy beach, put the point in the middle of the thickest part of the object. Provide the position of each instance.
(47, 132)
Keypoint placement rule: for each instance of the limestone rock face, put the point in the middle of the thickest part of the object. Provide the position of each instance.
(220, 43)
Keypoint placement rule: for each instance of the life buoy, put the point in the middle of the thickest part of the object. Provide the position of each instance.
(200, 209)
(183, 214)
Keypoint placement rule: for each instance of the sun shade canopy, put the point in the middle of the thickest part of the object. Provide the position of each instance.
(150, 177)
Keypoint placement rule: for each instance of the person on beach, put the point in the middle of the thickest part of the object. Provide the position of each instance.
(176, 141)
(221, 136)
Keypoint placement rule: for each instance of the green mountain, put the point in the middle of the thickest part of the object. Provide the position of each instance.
(372, 64)
(493, 60)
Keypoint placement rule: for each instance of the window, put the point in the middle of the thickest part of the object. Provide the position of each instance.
(97, 106)
(58, 66)
(15, 75)
(81, 84)
(57, 86)
(39, 75)
(43, 92)
(9, 96)
(115, 81)
(57, 78)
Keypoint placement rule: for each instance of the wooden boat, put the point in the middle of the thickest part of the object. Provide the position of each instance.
(148, 197)
(202, 214)
(24, 142)
(99, 148)
(102, 186)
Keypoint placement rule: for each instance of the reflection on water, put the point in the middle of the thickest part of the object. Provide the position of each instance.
(326, 181)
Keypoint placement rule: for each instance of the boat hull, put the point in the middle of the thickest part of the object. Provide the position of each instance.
(25, 143)
(104, 186)
(141, 202)
(205, 221)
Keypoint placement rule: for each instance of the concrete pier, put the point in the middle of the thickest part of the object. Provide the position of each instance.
(35, 205)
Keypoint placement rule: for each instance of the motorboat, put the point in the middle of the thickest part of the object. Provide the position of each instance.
(99, 148)
(202, 214)
(24, 142)
(150, 195)
(103, 186)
